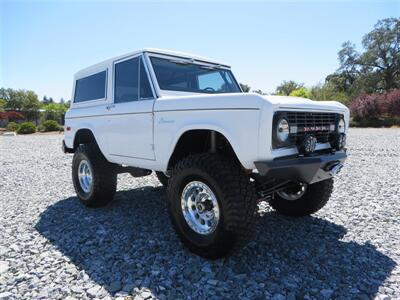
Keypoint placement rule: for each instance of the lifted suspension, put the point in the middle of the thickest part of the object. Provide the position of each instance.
(265, 188)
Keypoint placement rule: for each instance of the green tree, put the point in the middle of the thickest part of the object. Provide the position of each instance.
(55, 111)
(21, 100)
(4, 94)
(377, 68)
(13, 98)
(2, 104)
(30, 105)
(382, 55)
(286, 87)
(301, 92)
(328, 92)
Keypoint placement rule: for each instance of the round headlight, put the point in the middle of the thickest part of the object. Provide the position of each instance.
(341, 126)
(282, 130)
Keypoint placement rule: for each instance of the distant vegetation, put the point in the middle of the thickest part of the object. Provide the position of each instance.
(50, 125)
(377, 109)
(12, 126)
(367, 81)
(26, 128)
(23, 112)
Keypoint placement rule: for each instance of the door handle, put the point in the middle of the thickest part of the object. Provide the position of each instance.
(108, 107)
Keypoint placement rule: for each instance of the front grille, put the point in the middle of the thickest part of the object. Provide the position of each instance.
(319, 124)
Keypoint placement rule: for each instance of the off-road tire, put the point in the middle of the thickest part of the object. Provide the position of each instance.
(162, 178)
(236, 198)
(315, 197)
(104, 182)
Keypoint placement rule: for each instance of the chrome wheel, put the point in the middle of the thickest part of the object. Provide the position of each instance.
(293, 193)
(200, 207)
(85, 176)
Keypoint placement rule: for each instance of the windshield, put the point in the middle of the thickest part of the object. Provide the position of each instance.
(181, 75)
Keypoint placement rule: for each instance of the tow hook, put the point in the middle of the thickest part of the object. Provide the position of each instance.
(334, 168)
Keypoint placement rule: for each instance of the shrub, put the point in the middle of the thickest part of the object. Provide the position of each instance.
(374, 106)
(366, 106)
(12, 126)
(26, 128)
(51, 125)
(392, 103)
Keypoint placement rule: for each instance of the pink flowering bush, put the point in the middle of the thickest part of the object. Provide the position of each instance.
(376, 105)
(366, 106)
(392, 103)
(376, 109)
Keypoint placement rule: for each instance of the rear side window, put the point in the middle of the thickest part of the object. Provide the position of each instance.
(92, 87)
(131, 81)
(127, 81)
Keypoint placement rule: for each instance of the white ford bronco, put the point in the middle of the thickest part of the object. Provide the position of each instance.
(217, 149)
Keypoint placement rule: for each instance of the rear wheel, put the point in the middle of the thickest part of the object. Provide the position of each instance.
(300, 199)
(94, 178)
(212, 204)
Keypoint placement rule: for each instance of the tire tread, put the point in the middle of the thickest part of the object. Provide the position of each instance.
(104, 176)
(315, 198)
(239, 198)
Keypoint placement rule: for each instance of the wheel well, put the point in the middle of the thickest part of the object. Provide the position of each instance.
(200, 141)
(84, 136)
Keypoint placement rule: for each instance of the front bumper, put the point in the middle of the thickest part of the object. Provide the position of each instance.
(308, 169)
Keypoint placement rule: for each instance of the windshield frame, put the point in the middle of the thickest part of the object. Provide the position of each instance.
(163, 92)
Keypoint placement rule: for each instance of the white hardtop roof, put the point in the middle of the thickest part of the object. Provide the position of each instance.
(150, 50)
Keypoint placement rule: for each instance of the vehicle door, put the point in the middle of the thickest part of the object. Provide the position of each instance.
(130, 116)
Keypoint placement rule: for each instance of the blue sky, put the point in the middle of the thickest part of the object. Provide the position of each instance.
(43, 43)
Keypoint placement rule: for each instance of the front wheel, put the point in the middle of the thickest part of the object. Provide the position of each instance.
(300, 199)
(94, 178)
(212, 204)
(162, 178)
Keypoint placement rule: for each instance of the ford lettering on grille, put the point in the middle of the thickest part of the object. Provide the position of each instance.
(315, 128)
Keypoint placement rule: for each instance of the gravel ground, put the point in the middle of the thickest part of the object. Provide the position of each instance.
(52, 247)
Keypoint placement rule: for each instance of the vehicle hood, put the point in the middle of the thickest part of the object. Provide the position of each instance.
(243, 101)
(288, 102)
(209, 101)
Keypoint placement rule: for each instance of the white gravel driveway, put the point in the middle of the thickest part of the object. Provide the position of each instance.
(52, 247)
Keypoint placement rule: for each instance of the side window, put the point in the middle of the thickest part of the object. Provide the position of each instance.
(126, 81)
(145, 89)
(92, 87)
